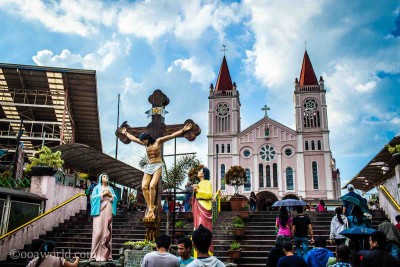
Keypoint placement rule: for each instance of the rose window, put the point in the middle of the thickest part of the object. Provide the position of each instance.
(267, 153)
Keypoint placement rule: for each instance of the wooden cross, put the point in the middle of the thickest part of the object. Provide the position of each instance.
(156, 129)
(265, 108)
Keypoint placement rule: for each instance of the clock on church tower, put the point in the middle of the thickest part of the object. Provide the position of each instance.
(222, 109)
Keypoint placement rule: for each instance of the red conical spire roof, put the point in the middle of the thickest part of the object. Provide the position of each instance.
(307, 74)
(224, 81)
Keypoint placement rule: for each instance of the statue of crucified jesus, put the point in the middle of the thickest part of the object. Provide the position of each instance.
(153, 170)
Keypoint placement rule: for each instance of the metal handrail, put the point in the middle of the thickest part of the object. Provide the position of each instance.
(42, 215)
(218, 193)
(394, 202)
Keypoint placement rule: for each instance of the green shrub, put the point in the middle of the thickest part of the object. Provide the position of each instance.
(235, 245)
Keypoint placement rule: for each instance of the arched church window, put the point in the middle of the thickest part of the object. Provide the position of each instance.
(268, 175)
(228, 148)
(222, 176)
(267, 152)
(319, 145)
(260, 175)
(216, 148)
(306, 145)
(289, 179)
(247, 184)
(222, 148)
(312, 145)
(275, 174)
(315, 174)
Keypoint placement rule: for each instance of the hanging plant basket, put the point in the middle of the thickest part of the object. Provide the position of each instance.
(235, 254)
(239, 231)
(42, 171)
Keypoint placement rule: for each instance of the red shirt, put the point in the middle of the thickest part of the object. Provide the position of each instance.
(171, 206)
(398, 226)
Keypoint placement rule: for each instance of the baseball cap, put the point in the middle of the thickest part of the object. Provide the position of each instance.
(350, 187)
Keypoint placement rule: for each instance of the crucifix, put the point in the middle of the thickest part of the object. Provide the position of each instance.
(265, 108)
(153, 136)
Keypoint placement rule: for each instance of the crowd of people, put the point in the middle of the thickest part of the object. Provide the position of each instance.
(295, 233)
(201, 238)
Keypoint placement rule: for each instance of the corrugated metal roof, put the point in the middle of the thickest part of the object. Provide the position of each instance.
(89, 160)
(377, 171)
(31, 94)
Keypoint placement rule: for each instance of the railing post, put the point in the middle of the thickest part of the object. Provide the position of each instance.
(6, 215)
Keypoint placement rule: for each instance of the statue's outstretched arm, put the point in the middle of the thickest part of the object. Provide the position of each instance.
(130, 136)
(166, 138)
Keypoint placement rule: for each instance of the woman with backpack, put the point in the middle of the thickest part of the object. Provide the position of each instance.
(338, 224)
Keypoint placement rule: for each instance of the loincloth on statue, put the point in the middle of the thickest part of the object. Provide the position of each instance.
(151, 168)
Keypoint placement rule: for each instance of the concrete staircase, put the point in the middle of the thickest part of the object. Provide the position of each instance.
(74, 235)
(260, 234)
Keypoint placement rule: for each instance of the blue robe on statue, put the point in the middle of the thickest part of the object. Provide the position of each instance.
(102, 209)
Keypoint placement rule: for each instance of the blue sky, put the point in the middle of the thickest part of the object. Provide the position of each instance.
(139, 46)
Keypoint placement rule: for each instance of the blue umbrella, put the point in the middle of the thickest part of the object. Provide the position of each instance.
(289, 203)
(357, 232)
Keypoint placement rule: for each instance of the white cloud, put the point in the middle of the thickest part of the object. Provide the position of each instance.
(80, 17)
(131, 87)
(202, 74)
(367, 87)
(104, 56)
(151, 20)
(99, 60)
(65, 59)
(277, 26)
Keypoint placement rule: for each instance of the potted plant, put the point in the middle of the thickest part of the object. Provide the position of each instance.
(395, 151)
(239, 228)
(245, 214)
(45, 163)
(236, 176)
(235, 251)
(180, 228)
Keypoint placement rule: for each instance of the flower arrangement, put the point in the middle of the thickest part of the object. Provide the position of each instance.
(139, 245)
(236, 176)
(193, 173)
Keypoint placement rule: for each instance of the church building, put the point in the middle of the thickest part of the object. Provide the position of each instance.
(280, 162)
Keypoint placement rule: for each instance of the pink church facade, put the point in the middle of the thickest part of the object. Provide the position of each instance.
(279, 161)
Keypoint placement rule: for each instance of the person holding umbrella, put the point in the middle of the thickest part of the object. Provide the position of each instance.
(350, 199)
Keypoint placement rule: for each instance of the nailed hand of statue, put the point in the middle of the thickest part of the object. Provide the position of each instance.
(191, 130)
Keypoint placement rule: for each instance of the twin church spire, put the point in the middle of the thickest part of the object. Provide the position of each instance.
(307, 75)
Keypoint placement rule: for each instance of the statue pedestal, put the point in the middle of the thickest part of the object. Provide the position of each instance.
(134, 258)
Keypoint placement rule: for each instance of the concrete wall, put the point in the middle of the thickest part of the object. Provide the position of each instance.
(391, 186)
(56, 194)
